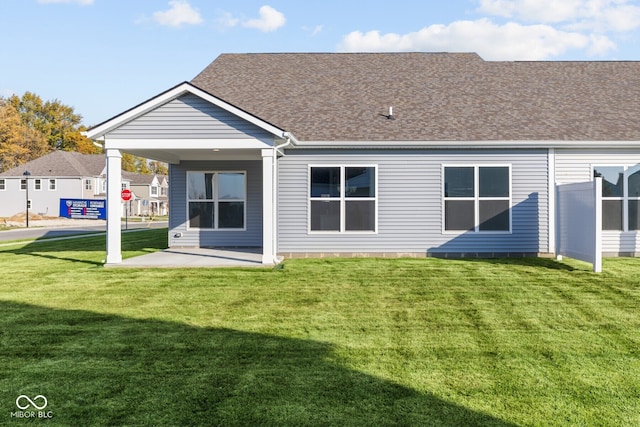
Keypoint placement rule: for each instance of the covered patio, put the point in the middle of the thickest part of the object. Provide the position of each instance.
(199, 136)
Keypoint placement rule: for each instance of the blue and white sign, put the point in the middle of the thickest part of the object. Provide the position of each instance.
(83, 208)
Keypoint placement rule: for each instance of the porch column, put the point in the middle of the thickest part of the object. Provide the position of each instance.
(114, 206)
(268, 232)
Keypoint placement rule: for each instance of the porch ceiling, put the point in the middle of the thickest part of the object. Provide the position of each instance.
(176, 155)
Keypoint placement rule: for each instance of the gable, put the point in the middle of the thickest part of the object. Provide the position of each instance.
(189, 117)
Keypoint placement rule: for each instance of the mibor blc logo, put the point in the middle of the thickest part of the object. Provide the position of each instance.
(31, 407)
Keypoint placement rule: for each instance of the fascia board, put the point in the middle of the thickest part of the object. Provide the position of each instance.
(466, 144)
(183, 144)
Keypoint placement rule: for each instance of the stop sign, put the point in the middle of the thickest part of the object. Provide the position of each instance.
(126, 195)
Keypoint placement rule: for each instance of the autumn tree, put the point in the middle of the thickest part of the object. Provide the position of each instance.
(58, 123)
(18, 142)
(158, 168)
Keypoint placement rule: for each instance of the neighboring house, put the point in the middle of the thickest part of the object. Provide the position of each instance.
(150, 194)
(387, 153)
(57, 175)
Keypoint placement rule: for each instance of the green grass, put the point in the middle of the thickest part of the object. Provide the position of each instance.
(319, 342)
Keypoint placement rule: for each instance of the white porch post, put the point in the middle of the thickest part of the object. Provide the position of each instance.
(268, 232)
(114, 206)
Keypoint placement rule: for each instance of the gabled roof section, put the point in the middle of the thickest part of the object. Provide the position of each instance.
(61, 164)
(181, 89)
(339, 97)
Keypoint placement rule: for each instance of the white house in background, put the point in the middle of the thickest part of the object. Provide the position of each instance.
(57, 175)
(150, 194)
(386, 153)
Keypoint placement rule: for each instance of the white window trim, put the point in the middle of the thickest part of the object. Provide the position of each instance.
(342, 198)
(88, 183)
(216, 200)
(625, 193)
(154, 190)
(476, 197)
(37, 182)
(3, 184)
(26, 183)
(54, 182)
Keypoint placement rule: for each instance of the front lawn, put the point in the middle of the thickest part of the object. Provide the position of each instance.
(319, 342)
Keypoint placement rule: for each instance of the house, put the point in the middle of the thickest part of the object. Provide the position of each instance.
(150, 194)
(70, 175)
(57, 175)
(441, 154)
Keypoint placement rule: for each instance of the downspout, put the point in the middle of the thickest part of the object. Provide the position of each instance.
(274, 164)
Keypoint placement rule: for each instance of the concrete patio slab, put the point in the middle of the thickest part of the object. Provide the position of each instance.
(196, 257)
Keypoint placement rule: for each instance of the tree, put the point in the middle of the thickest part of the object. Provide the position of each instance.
(58, 123)
(158, 168)
(18, 143)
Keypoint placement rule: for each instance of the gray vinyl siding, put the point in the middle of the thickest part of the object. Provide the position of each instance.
(410, 205)
(251, 237)
(189, 117)
(577, 166)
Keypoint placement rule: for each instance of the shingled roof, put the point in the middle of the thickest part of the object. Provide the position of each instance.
(61, 164)
(435, 96)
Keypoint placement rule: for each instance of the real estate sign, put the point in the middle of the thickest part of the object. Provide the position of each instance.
(83, 208)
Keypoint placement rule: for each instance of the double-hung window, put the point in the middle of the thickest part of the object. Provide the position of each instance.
(620, 197)
(217, 200)
(52, 184)
(37, 184)
(3, 185)
(342, 198)
(477, 198)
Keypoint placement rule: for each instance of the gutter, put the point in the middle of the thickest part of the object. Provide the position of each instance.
(290, 139)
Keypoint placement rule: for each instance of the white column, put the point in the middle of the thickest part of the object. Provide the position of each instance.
(268, 232)
(114, 206)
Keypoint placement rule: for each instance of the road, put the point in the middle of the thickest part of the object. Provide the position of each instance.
(49, 232)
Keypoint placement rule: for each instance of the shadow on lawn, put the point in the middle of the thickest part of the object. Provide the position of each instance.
(97, 369)
(51, 247)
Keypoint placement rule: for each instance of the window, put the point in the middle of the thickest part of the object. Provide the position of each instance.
(88, 184)
(342, 198)
(477, 198)
(37, 184)
(154, 190)
(216, 200)
(23, 184)
(124, 186)
(52, 184)
(163, 191)
(3, 185)
(620, 197)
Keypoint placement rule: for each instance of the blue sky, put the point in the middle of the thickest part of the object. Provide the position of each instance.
(105, 56)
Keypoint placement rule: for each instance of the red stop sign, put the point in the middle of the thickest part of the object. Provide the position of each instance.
(126, 195)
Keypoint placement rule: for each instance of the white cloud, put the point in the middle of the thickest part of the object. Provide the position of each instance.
(270, 20)
(597, 15)
(517, 30)
(228, 20)
(181, 12)
(511, 41)
(81, 2)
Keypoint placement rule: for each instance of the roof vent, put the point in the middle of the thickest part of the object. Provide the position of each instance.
(390, 115)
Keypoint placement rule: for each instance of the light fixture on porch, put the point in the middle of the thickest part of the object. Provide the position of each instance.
(215, 150)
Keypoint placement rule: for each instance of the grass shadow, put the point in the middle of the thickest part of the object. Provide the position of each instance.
(90, 249)
(96, 369)
(536, 262)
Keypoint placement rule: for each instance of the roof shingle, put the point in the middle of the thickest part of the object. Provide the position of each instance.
(62, 164)
(435, 96)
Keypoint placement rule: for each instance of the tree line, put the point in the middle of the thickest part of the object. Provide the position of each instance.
(30, 128)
